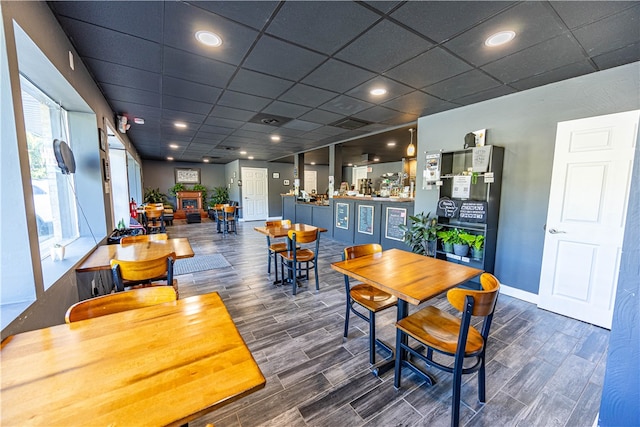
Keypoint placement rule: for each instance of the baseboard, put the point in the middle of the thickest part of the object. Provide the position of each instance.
(519, 293)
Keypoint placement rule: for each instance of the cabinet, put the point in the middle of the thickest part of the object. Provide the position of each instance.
(470, 201)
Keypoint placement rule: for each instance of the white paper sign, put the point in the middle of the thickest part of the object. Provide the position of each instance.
(461, 187)
(481, 156)
(488, 178)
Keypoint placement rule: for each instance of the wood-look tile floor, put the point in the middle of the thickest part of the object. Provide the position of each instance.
(543, 369)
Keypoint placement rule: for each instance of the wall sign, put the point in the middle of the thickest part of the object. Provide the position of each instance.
(448, 208)
(187, 176)
(365, 219)
(395, 218)
(472, 211)
(342, 215)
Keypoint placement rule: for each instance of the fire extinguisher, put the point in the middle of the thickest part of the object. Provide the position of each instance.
(133, 208)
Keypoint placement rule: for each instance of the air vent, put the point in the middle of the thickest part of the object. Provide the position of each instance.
(226, 147)
(350, 123)
(269, 119)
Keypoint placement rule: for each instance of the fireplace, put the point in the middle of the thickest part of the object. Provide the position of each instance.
(189, 202)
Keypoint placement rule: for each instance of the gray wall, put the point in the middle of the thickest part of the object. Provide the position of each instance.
(525, 124)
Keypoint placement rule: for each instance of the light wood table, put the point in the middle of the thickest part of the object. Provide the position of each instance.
(102, 256)
(160, 365)
(279, 231)
(411, 277)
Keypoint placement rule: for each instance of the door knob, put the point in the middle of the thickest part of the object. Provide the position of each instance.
(554, 231)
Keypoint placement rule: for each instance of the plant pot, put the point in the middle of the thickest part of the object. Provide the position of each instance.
(429, 247)
(447, 247)
(460, 249)
(57, 253)
(476, 253)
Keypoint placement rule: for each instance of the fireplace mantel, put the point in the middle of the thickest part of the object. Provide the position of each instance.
(189, 201)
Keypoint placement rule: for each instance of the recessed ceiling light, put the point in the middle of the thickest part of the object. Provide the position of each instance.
(313, 163)
(205, 160)
(174, 146)
(169, 158)
(180, 125)
(500, 38)
(391, 144)
(243, 152)
(376, 159)
(250, 157)
(275, 138)
(209, 38)
(378, 91)
(349, 164)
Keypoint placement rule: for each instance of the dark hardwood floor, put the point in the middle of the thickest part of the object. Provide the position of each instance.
(543, 369)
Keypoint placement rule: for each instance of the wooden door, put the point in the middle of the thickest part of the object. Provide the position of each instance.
(586, 216)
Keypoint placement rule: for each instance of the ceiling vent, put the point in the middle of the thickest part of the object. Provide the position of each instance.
(350, 123)
(269, 119)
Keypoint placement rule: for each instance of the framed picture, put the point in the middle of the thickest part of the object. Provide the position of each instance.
(275, 175)
(365, 219)
(286, 182)
(187, 176)
(342, 215)
(102, 139)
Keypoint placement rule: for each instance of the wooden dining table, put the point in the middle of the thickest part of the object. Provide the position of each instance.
(100, 258)
(162, 365)
(282, 231)
(411, 277)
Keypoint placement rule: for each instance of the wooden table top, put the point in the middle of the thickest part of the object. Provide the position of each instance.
(279, 231)
(102, 256)
(411, 277)
(161, 365)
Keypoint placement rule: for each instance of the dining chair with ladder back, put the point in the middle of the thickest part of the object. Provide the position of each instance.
(292, 258)
(452, 336)
(368, 297)
(229, 220)
(143, 238)
(119, 301)
(154, 219)
(273, 249)
(144, 273)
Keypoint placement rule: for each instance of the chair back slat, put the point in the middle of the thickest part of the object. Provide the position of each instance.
(484, 300)
(143, 270)
(118, 302)
(357, 251)
(303, 236)
(144, 238)
(153, 212)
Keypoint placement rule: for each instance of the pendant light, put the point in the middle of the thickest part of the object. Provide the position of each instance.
(411, 149)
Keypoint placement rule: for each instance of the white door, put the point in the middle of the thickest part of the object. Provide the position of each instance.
(585, 222)
(255, 194)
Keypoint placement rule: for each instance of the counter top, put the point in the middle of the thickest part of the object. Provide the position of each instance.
(375, 199)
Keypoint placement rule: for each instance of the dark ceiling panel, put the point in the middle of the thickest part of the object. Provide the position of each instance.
(316, 62)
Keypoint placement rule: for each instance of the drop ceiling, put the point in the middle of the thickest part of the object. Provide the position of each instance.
(311, 65)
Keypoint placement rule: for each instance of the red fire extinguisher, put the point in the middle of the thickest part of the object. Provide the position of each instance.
(133, 208)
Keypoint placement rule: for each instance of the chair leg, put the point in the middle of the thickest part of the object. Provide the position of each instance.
(315, 273)
(275, 266)
(346, 316)
(372, 338)
(269, 262)
(294, 282)
(481, 382)
(398, 364)
(455, 398)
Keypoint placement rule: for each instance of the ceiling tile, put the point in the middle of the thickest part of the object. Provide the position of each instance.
(562, 73)
(462, 85)
(137, 110)
(376, 114)
(196, 68)
(223, 122)
(618, 57)
(218, 130)
(183, 116)
(413, 103)
(610, 33)
(430, 67)
(440, 20)
(286, 109)
(321, 26)
(183, 104)
(182, 21)
(127, 94)
(579, 13)
(383, 47)
(345, 105)
(190, 90)
(301, 125)
(307, 95)
(485, 95)
(259, 84)
(243, 101)
(282, 59)
(124, 76)
(536, 59)
(337, 76)
(383, 6)
(231, 113)
(532, 22)
(320, 116)
(252, 13)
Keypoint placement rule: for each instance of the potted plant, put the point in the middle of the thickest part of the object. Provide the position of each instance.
(477, 246)
(178, 187)
(421, 235)
(461, 242)
(202, 189)
(153, 195)
(446, 237)
(220, 196)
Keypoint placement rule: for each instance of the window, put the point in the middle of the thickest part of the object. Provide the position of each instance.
(53, 192)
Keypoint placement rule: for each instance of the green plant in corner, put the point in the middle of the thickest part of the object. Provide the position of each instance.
(178, 187)
(220, 196)
(153, 195)
(201, 188)
(423, 228)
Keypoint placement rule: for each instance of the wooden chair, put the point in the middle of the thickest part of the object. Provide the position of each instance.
(445, 333)
(144, 238)
(150, 272)
(154, 219)
(229, 220)
(119, 301)
(275, 248)
(292, 260)
(368, 297)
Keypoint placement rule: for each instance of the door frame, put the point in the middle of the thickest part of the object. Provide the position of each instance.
(266, 184)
